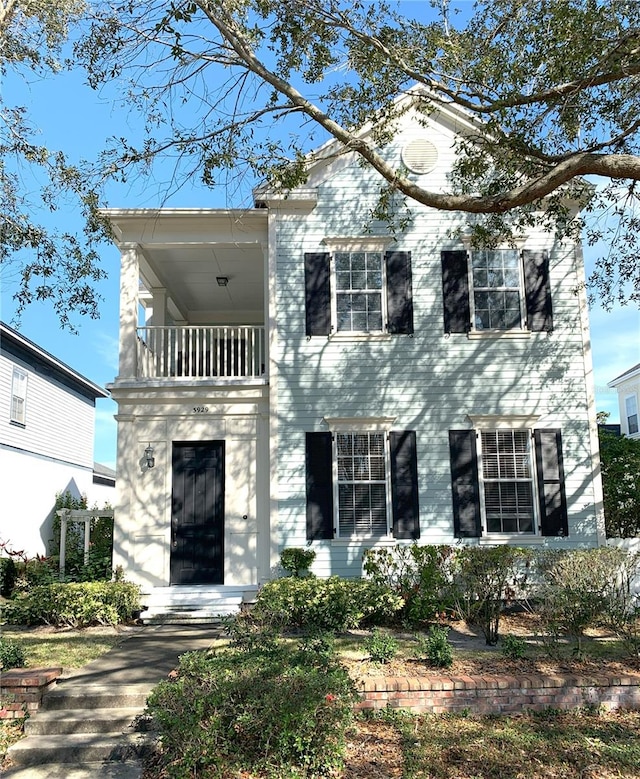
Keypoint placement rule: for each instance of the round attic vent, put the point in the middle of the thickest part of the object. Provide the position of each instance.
(420, 156)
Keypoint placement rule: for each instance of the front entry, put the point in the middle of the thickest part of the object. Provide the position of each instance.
(197, 513)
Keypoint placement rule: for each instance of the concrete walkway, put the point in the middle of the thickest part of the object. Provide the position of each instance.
(138, 663)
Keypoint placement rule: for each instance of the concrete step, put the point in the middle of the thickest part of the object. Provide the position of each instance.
(130, 769)
(59, 721)
(180, 614)
(70, 695)
(78, 748)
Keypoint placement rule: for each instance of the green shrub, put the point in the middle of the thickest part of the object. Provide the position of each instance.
(34, 572)
(98, 567)
(583, 588)
(435, 647)
(8, 575)
(421, 575)
(295, 561)
(247, 633)
(12, 654)
(485, 580)
(75, 604)
(513, 647)
(333, 604)
(273, 713)
(381, 646)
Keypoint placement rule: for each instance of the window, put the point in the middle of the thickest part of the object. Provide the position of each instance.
(19, 396)
(359, 288)
(496, 289)
(358, 291)
(507, 481)
(362, 484)
(631, 408)
(497, 489)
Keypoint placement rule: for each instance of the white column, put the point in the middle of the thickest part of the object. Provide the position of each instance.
(129, 280)
(159, 315)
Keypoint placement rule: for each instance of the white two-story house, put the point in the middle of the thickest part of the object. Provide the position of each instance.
(297, 373)
(47, 426)
(627, 386)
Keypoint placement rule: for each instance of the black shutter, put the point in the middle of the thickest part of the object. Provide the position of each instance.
(537, 291)
(465, 485)
(399, 292)
(317, 294)
(404, 484)
(455, 291)
(319, 466)
(551, 492)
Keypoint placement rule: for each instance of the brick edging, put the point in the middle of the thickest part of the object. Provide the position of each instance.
(22, 689)
(499, 694)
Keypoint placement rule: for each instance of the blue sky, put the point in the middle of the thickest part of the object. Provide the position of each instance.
(76, 119)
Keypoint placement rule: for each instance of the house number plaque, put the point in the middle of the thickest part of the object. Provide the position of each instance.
(201, 409)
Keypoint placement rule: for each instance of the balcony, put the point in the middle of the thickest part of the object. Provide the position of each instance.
(218, 352)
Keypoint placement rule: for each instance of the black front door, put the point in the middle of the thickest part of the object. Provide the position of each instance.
(197, 518)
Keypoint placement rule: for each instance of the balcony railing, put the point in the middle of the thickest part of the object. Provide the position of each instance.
(236, 351)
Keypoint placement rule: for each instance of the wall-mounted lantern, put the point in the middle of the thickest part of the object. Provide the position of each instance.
(149, 459)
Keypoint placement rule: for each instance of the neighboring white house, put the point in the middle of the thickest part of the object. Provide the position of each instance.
(628, 387)
(47, 413)
(305, 375)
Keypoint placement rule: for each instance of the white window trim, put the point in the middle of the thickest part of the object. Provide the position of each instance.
(517, 332)
(362, 425)
(371, 243)
(626, 414)
(514, 423)
(509, 421)
(358, 334)
(19, 376)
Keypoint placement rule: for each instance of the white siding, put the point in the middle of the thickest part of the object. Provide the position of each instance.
(51, 453)
(59, 422)
(29, 487)
(429, 381)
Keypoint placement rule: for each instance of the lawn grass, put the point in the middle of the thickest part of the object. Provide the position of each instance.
(579, 744)
(67, 648)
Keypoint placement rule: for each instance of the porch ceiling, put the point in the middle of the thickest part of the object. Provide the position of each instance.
(184, 250)
(189, 273)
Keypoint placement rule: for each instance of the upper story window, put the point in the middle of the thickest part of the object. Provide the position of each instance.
(19, 396)
(359, 299)
(631, 412)
(497, 289)
(358, 288)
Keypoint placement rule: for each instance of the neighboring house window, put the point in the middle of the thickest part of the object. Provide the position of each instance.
(497, 290)
(631, 407)
(497, 490)
(362, 484)
(19, 397)
(497, 295)
(507, 481)
(358, 291)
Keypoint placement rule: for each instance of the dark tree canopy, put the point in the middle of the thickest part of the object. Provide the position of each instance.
(620, 461)
(550, 88)
(48, 264)
(232, 92)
